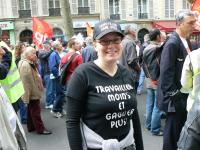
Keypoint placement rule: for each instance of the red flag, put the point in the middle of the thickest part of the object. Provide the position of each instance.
(89, 30)
(41, 31)
(196, 10)
(196, 5)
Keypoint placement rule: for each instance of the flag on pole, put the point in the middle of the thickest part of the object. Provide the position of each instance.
(89, 30)
(196, 5)
(41, 31)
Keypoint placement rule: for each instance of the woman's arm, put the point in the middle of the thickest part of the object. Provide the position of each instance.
(137, 131)
(74, 111)
(76, 91)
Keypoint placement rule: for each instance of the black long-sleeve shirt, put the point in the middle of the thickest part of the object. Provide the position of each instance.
(104, 103)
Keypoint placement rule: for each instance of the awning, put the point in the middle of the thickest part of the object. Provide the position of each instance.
(167, 26)
(170, 26)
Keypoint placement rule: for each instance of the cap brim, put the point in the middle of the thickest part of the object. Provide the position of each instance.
(108, 31)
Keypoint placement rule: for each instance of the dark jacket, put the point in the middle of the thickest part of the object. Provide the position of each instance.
(43, 57)
(190, 137)
(171, 64)
(5, 64)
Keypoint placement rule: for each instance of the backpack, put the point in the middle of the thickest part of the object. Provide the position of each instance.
(151, 62)
(64, 69)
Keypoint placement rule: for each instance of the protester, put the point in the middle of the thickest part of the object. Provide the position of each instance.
(12, 135)
(89, 53)
(19, 48)
(33, 91)
(170, 98)
(153, 116)
(43, 55)
(73, 46)
(54, 61)
(189, 137)
(129, 56)
(190, 78)
(142, 75)
(101, 94)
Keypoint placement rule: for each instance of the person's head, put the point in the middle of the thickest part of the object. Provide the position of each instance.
(19, 48)
(108, 36)
(155, 35)
(46, 45)
(88, 41)
(30, 54)
(163, 36)
(64, 44)
(185, 22)
(57, 45)
(73, 44)
(146, 38)
(130, 30)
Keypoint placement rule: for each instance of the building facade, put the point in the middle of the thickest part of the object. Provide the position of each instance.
(16, 15)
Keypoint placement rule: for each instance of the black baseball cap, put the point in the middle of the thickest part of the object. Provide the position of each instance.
(104, 27)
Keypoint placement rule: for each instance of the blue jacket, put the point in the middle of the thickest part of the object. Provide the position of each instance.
(54, 61)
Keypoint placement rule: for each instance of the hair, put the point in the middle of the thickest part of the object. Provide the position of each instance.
(88, 41)
(153, 34)
(64, 43)
(28, 50)
(56, 44)
(19, 49)
(71, 42)
(180, 16)
(128, 29)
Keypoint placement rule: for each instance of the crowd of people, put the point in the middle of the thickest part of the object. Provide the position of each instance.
(101, 82)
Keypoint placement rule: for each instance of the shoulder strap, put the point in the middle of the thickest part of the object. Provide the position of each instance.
(70, 59)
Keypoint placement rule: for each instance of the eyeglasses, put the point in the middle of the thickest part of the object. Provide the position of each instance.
(106, 42)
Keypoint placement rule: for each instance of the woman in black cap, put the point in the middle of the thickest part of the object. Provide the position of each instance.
(101, 104)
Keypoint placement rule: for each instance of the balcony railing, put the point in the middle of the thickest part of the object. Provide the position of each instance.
(142, 15)
(24, 13)
(83, 10)
(115, 16)
(54, 12)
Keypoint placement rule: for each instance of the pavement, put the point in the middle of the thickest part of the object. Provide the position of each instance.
(59, 141)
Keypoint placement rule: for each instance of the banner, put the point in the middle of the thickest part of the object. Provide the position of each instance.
(89, 30)
(196, 9)
(41, 31)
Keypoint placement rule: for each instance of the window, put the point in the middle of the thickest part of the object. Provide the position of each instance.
(83, 7)
(114, 9)
(186, 4)
(114, 6)
(83, 3)
(142, 9)
(54, 4)
(24, 5)
(54, 8)
(169, 8)
(24, 9)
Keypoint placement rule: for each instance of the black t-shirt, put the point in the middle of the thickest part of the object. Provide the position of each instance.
(106, 104)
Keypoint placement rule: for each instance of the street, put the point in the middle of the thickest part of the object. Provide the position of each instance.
(58, 140)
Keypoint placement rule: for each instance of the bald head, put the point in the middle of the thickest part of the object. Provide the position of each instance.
(30, 54)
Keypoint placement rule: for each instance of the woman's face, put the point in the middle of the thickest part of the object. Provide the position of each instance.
(109, 48)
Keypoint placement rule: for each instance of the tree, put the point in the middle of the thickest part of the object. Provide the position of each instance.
(191, 1)
(66, 14)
